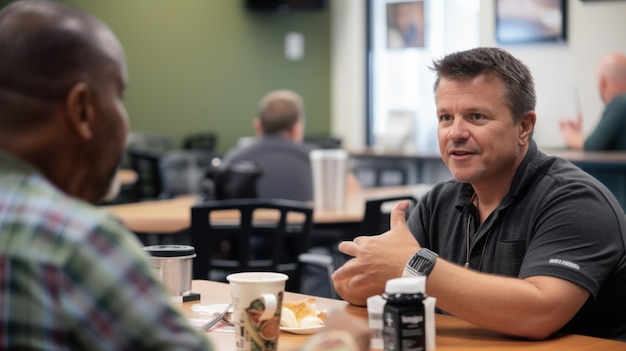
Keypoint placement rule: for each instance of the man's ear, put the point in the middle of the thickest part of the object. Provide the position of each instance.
(80, 110)
(256, 125)
(526, 126)
(297, 132)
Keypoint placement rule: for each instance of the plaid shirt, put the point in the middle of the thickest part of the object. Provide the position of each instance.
(73, 278)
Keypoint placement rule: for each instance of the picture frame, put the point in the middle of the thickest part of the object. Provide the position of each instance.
(405, 24)
(531, 21)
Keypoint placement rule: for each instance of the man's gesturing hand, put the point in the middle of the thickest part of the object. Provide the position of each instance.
(376, 259)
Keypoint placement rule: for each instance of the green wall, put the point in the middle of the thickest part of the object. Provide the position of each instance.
(198, 65)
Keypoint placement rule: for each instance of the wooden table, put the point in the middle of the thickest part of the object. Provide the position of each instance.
(173, 215)
(452, 333)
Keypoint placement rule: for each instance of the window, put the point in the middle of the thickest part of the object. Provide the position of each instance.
(400, 83)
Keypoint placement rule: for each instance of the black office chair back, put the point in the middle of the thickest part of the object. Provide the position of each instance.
(238, 180)
(206, 141)
(324, 141)
(183, 171)
(150, 141)
(149, 184)
(249, 244)
(371, 175)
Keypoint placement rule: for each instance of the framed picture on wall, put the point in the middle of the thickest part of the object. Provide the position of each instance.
(405, 24)
(531, 21)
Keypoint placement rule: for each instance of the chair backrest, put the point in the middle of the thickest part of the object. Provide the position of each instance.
(149, 141)
(149, 184)
(264, 235)
(377, 172)
(201, 141)
(324, 141)
(371, 176)
(183, 171)
(237, 180)
(376, 216)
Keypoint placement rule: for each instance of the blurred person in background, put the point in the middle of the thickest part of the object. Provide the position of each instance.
(610, 132)
(278, 148)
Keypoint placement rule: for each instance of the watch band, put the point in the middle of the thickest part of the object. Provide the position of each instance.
(420, 264)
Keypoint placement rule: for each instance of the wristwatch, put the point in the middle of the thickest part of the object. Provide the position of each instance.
(420, 264)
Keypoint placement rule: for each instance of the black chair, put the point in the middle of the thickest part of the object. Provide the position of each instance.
(183, 171)
(142, 154)
(323, 141)
(150, 141)
(237, 180)
(201, 141)
(371, 175)
(146, 164)
(249, 243)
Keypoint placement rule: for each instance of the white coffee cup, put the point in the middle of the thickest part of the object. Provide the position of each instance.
(257, 304)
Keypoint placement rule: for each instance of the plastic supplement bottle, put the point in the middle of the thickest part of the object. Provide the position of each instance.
(404, 327)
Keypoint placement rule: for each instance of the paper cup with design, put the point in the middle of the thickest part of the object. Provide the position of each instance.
(257, 303)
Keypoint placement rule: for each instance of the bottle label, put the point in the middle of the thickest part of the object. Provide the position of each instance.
(403, 329)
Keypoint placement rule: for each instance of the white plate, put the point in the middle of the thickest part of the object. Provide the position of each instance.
(310, 330)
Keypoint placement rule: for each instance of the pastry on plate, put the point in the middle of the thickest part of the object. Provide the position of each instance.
(301, 314)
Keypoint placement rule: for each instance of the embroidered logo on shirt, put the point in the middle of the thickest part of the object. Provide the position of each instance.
(565, 263)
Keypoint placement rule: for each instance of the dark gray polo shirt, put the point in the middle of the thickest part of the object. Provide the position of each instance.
(556, 220)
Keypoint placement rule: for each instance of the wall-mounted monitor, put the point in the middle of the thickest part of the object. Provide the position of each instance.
(284, 5)
(531, 21)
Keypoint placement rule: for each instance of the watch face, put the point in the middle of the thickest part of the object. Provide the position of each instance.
(423, 261)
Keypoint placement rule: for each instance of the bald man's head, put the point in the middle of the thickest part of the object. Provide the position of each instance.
(612, 76)
(62, 78)
(45, 49)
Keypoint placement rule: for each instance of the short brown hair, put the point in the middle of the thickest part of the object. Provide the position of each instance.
(519, 86)
(279, 110)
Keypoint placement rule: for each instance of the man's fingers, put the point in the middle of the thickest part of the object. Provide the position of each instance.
(348, 247)
(345, 272)
(398, 215)
(359, 281)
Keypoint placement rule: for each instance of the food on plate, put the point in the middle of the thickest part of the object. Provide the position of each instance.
(288, 318)
(310, 321)
(301, 314)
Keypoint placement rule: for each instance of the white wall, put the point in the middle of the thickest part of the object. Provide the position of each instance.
(347, 105)
(594, 29)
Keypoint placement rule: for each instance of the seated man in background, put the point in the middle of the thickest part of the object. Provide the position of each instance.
(518, 242)
(71, 276)
(610, 133)
(278, 148)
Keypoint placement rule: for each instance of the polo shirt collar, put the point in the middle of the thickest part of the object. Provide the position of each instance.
(523, 175)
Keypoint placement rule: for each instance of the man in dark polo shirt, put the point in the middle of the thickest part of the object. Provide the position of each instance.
(519, 242)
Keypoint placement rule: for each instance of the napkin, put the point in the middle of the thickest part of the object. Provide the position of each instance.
(205, 313)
